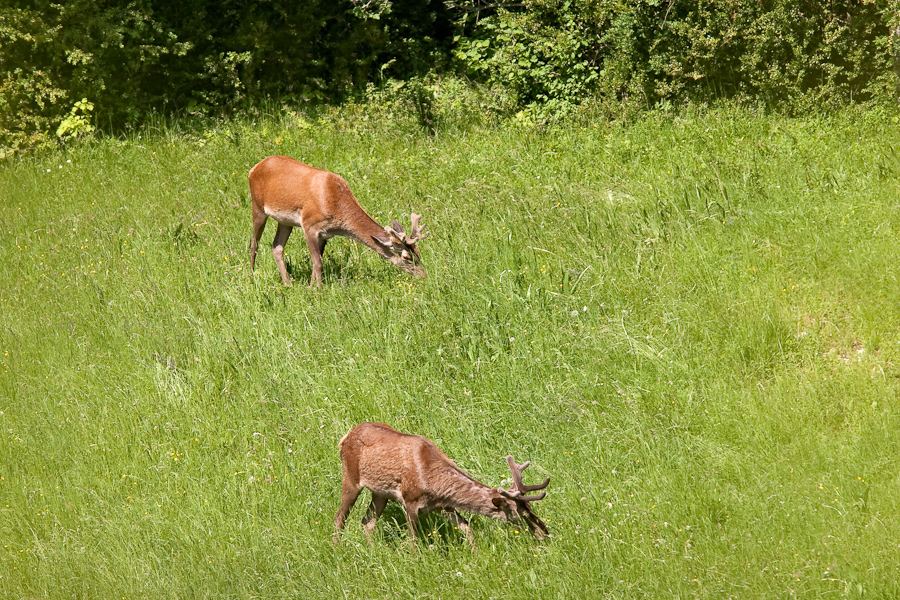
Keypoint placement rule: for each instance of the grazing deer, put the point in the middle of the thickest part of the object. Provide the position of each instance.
(321, 203)
(413, 471)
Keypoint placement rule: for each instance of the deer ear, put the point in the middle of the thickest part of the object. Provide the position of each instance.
(386, 242)
(498, 501)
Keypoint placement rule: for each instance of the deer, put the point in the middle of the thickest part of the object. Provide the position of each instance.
(321, 203)
(413, 471)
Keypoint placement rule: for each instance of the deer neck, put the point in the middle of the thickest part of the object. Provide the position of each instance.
(461, 492)
(362, 228)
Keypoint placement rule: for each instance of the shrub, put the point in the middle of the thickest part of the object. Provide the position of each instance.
(781, 53)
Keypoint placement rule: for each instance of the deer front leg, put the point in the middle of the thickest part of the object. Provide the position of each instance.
(457, 519)
(281, 237)
(412, 522)
(316, 245)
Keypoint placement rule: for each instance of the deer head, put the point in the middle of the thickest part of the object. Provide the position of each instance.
(402, 246)
(519, 503)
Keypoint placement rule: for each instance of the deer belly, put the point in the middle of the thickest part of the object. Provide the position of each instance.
(383, 487)
(288, 217)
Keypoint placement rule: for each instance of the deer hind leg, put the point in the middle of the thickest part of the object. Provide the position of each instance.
(281, 237)
(349, 494)
(259, 224)
(376, 507)
(457, 519)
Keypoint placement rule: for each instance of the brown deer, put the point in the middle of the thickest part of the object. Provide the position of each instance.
(321, 203)
(413, 471)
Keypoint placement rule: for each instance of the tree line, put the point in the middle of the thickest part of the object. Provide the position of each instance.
(68, 67)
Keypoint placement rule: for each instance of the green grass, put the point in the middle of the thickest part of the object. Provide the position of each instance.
(690, 323)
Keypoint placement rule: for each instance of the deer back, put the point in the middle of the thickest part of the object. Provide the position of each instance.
(388, 462)
(290, 191)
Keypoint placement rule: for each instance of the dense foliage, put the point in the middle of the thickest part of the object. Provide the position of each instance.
(128, 59)
(779, 53)
(67, 68)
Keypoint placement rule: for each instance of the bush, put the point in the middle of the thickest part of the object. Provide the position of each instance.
(148, 56)
(783, 54)
(60, 58)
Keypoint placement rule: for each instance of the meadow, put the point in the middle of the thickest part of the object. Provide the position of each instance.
(690, 322)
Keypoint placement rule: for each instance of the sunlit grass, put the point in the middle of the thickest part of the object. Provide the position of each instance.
(690, 324)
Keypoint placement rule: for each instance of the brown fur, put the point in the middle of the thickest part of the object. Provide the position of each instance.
(413, 471)
(297, 195)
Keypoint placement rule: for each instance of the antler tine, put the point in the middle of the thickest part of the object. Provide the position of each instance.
(416, 233)
(517, 495)
(416, 230)
(521, 488)
(396, 230)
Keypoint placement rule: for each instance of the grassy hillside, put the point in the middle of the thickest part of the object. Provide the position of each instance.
(691, 324)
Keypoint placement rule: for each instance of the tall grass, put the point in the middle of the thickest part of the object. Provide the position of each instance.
(690, 323)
